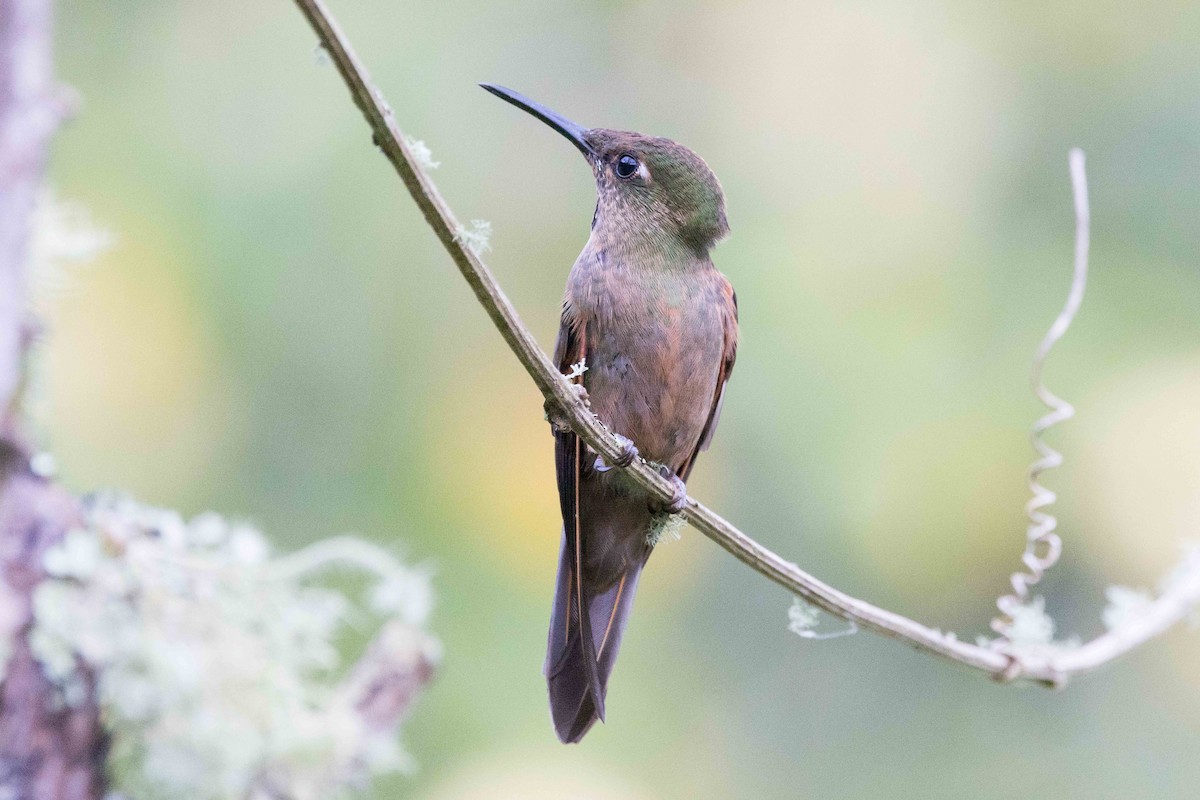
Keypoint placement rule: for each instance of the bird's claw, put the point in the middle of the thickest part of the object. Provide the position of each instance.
(629, 451)
(679, 496)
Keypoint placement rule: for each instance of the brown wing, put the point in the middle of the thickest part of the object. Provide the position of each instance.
(570, 640)
(570, 349)
(728, 300)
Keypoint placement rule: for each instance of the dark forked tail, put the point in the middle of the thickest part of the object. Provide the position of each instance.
(581, 651)
(603, 551)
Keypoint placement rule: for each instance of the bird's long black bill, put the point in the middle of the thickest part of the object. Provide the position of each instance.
(569, 129)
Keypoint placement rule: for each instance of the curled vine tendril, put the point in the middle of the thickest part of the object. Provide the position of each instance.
(1043, 545)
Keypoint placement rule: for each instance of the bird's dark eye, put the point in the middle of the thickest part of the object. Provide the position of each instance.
(626, 166)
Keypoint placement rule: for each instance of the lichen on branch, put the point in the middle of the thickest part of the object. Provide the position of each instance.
(217, 667)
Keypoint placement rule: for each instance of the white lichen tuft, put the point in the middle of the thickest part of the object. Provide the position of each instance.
(665, 527)
(1029, 625)
(1124, 605)
(478, 239)
(804, 620)
(44, 465)
(321, 55)
(382, 102)
(1184, 571)
(802, 617)
(577, 370)
(217, 667)
(421, 153)
(64, 236)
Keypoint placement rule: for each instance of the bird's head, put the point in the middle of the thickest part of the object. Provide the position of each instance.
(647, 186)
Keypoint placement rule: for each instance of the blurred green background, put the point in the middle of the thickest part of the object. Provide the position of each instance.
(277, 335)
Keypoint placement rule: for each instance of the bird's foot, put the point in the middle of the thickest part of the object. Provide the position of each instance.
(628, 451)
(628, 454)
(678, 499)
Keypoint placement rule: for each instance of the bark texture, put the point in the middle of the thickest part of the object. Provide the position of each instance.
(46, 752)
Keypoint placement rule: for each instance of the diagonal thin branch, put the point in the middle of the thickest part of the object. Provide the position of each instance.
(1050, 666)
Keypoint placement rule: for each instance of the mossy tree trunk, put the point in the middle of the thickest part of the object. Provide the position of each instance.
(46, 752)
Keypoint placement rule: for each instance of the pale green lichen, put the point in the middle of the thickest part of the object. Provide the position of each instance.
(802, 616)
(1183, 572)
(217, 667)
(804, 620)
(1029, 625)
(421, 152)
(44, 465)
(1124, 604)
(77, 556)
(64, 236)
(665, 527)
(477, 238)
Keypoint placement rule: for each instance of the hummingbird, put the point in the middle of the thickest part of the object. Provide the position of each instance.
(649, 330)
